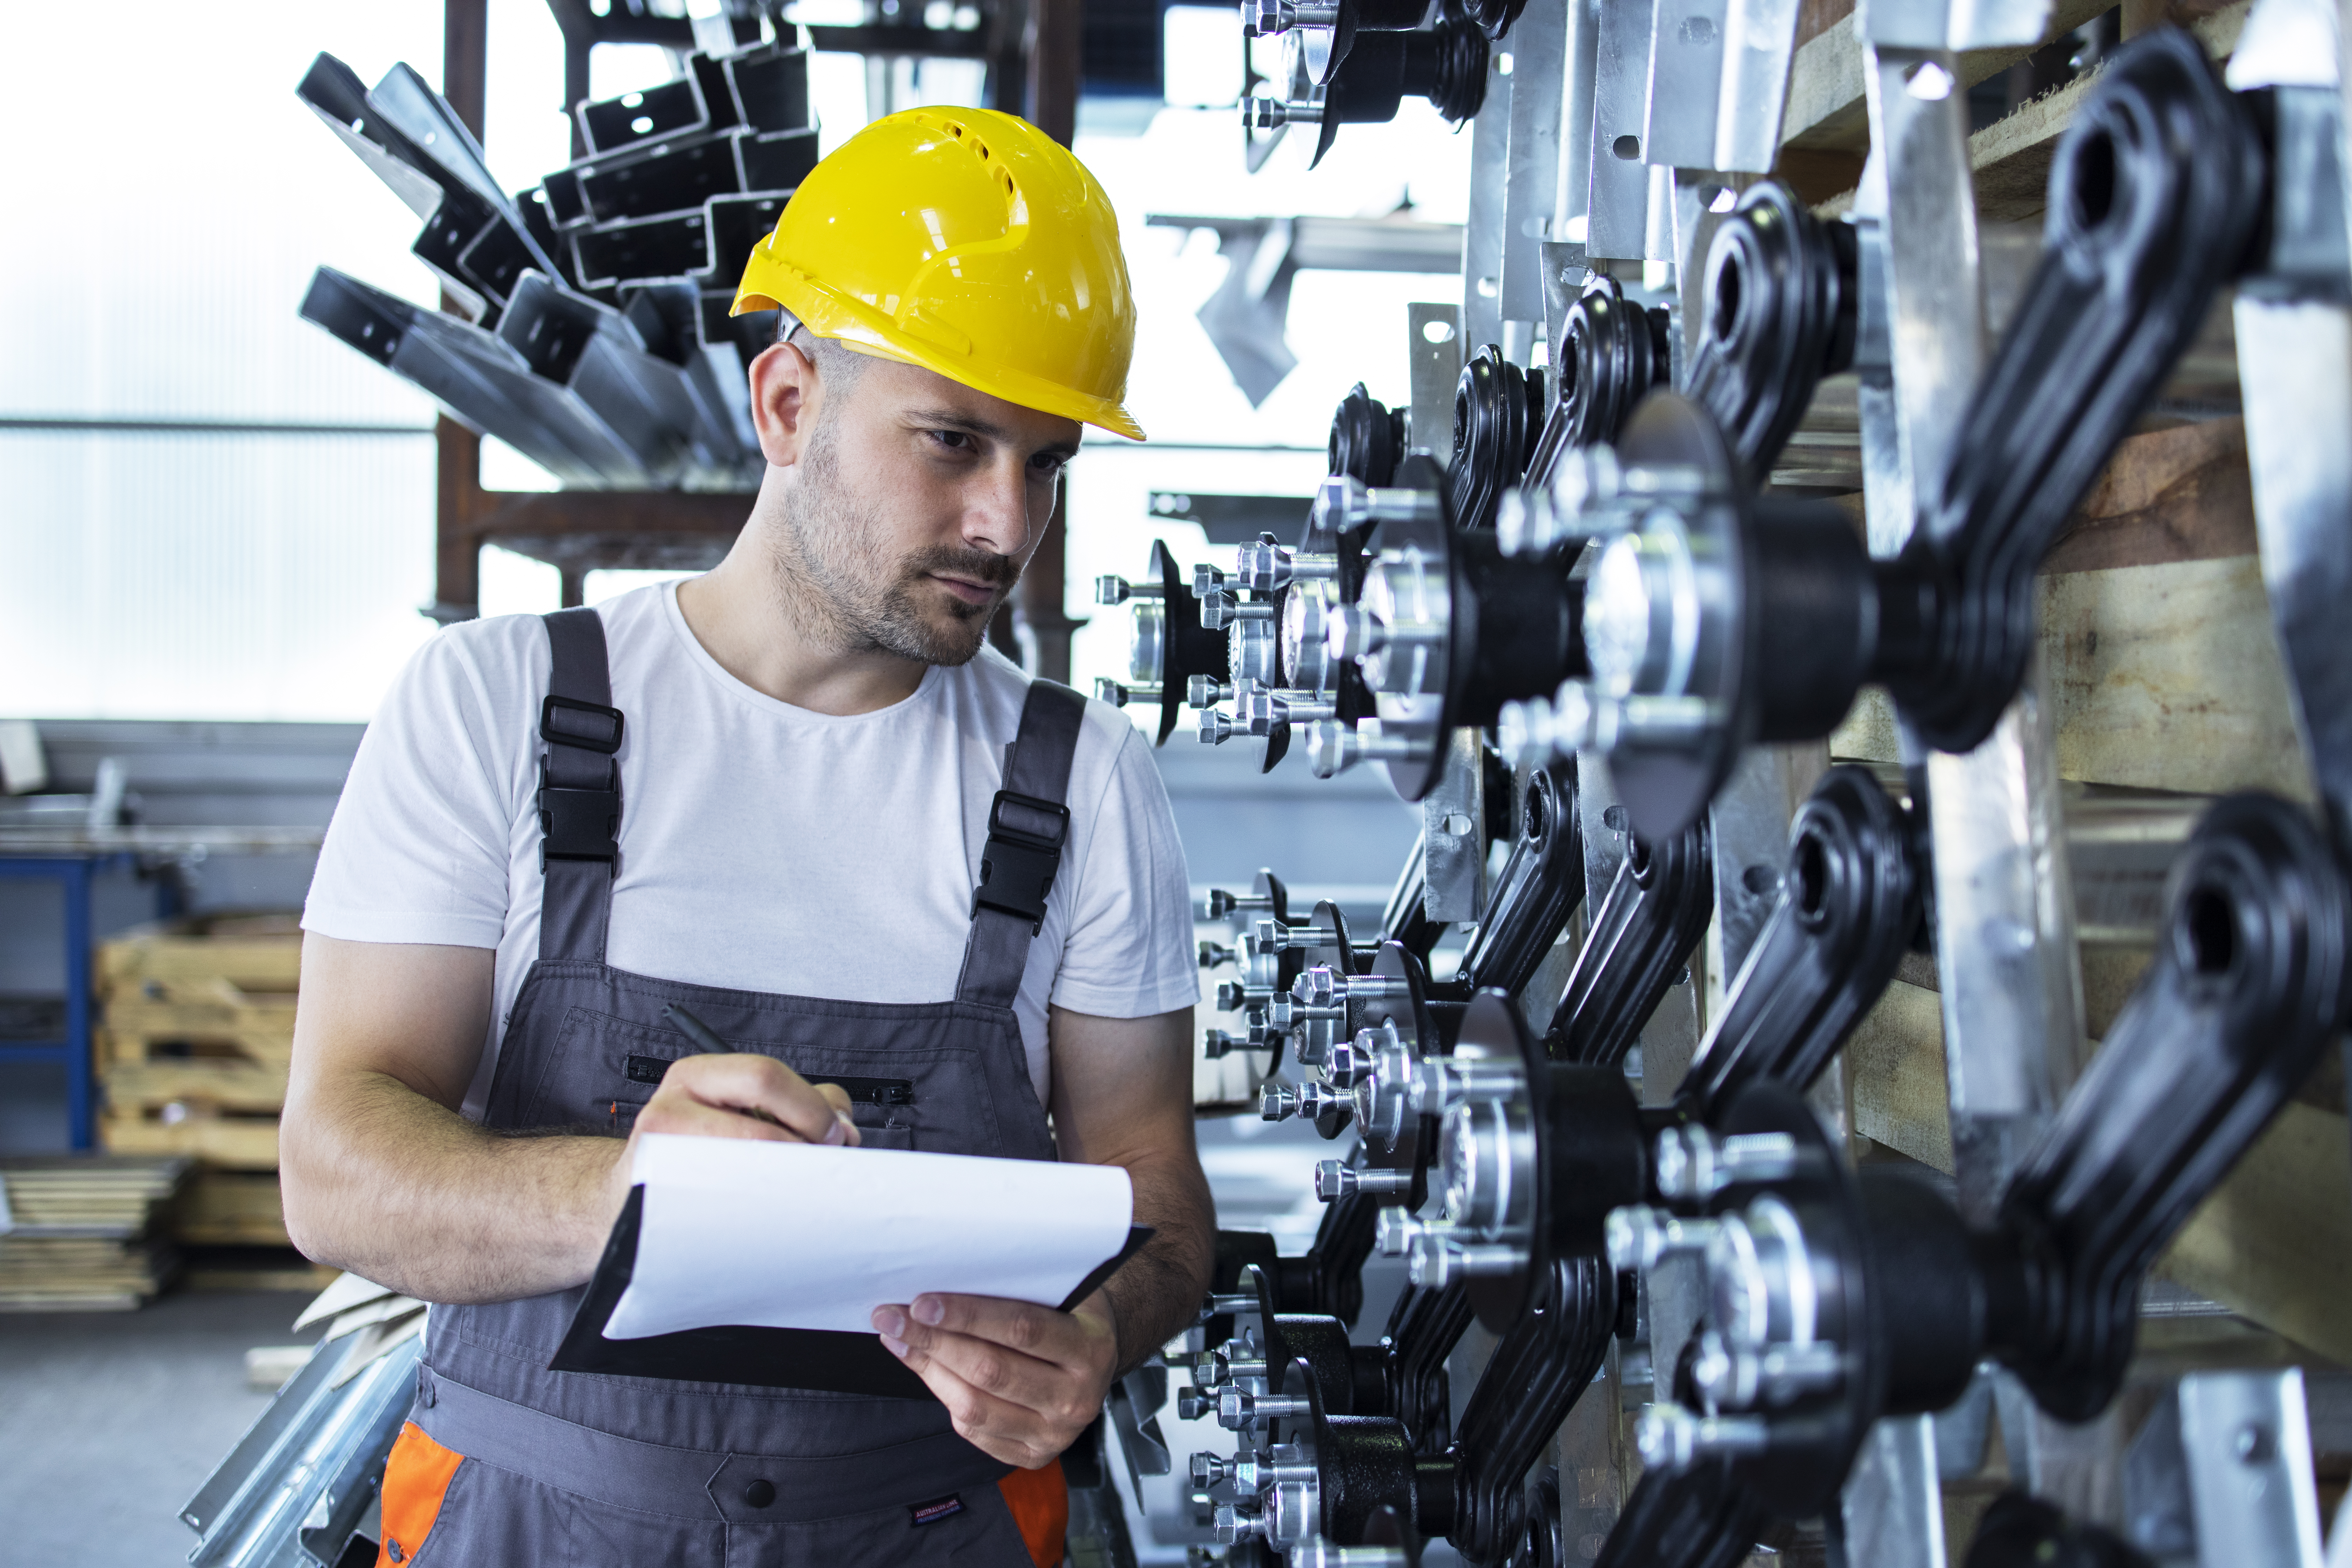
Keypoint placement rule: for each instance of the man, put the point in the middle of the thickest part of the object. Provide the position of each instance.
(921, 898)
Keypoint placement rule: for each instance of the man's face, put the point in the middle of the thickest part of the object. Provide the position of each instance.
(911, 506)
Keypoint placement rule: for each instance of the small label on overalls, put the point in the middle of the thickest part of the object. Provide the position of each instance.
(933, 1512)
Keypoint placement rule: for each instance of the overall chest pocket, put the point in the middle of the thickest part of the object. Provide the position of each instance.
(880, 1107)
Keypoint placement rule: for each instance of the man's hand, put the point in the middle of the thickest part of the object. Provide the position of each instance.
(1021, 1382)
(740, 1096)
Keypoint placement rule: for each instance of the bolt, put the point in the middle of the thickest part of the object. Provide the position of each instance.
(1638, 1235)
(1232, 1526)
(1277, 1102)
(1692, 1164)
(1239, 1410)
(1230, 995)
(1337, 1179)
(1740, 1379)
(1217, 727)
(1221, 903)
(1269, 113)
(1111, 589)
(1672, 1438)
(1216, 954)
(1352, 632)
(1207, 1469)
(1218, 1044)
(1394, 1232)
(1205, 692)
(1118, 696)
(1192, 1405)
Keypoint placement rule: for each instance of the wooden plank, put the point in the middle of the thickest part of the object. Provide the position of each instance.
(1826, 108)
(231, 1085)
(264, 962)
(2274, 1242)
(2011, 156)
(232, 1143)
(2183, 494)
(1896, 1059)
(2168, 677)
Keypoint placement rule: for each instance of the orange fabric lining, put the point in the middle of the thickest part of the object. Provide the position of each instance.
(415, 1479)
(1040, 1501)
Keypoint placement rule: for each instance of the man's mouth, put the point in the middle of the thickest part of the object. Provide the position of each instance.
(971, 590)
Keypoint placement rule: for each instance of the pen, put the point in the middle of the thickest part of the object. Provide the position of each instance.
(708, 1043)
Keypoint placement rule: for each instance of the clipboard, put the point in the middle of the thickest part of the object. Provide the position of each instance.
(820, 1359)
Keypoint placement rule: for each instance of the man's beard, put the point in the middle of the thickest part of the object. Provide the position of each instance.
(831, 570)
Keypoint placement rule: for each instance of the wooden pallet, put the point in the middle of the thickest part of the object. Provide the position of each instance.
(232, 1209)
(162, 1018)
(227, 1141)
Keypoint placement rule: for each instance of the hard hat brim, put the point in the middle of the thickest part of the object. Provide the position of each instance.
(829, 313)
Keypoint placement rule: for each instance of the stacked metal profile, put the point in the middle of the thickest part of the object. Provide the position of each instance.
(300, 1487)
(588, 325)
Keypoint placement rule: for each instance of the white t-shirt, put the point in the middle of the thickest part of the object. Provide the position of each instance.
(763, 847)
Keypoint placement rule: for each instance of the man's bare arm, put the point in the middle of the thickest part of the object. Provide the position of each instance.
(1123, 1096)
(382, 1176)
(1022, 1382)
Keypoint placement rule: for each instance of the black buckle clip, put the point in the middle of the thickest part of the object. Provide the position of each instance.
(577, 823)
(600, 733)
(1024, 852)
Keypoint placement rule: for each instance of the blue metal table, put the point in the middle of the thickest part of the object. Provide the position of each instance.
(75, 857)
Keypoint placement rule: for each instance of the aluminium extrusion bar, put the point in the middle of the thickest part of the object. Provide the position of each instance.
(481, 381)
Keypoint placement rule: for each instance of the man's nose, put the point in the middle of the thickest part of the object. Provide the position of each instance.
(996, 511)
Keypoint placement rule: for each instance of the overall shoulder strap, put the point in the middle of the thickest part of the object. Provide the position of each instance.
(1027, 825)
(579, 790)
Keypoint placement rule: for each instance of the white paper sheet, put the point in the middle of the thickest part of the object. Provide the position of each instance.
(798, 1235)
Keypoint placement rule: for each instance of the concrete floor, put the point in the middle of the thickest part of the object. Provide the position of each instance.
(109, 1421)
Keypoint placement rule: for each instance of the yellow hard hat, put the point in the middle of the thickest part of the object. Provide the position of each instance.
(967, 242)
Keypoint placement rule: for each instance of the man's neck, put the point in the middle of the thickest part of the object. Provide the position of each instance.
(746, 619)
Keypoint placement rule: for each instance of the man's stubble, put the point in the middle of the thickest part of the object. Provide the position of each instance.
(832, 571)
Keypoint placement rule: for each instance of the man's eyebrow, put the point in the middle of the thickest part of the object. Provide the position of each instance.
(952, 419)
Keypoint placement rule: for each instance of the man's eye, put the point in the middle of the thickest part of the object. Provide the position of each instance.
(1047, 467)
(953, 440)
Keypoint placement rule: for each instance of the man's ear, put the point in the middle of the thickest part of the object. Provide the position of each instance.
(784, 400)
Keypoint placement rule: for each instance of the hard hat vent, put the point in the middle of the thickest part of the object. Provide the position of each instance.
(966, 137)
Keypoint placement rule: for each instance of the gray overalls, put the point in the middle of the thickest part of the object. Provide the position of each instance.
(574, 1467)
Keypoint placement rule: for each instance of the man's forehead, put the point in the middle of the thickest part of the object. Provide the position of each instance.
(913, 387)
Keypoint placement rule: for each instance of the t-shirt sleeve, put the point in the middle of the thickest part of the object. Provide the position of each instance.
(418, 851)
(1129, 952)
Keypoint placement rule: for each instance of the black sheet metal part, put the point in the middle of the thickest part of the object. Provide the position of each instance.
(2020, 1531)
(1368, 438)
(1777, 314)
(771, 86)
(665, 315)
(684, 106)
(1697, 1518)
(478, 378)
(641, 250)
(775, 160)
(1612, 352)
(737, 223)
(2155, 196)
(416, 144)
(1641, 942)
(1366, 1466)
(1848, 906)
(575, 343)
(1542, 884)
(2249, 988)
(1497, 412)
(666, 176)
(1447, 65)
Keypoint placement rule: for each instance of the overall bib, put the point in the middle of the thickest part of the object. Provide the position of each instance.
(505, 1462)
